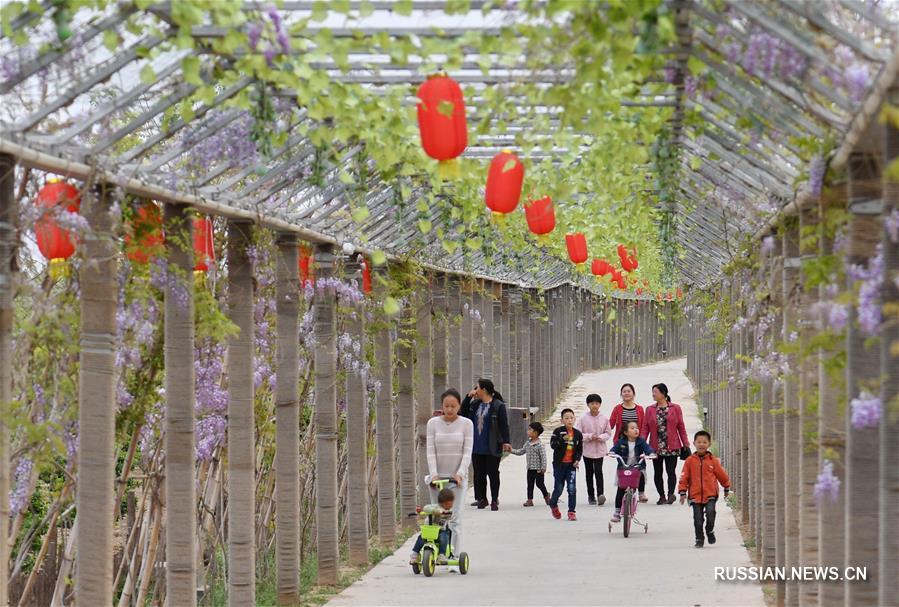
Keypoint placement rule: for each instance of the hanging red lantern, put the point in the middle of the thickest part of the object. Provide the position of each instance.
(639, 290)
(628, 262)
(307, 275)
(669, 297)
(504, 181)
(204, 251)
(441, 122)
(577, 247)
(600, 267)
(55, 243)
(146, 227)
(679, 293)
(541, 216)
(366, 277)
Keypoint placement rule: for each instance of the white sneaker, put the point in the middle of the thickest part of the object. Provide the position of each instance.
(441, 559)
(414, 558)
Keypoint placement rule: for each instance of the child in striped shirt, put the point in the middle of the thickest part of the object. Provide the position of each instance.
(536, 458)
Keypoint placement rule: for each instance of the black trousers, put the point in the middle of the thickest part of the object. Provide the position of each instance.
(536, 477)
(661, 464)
(707, 510)
(485, 466)
(593, 466)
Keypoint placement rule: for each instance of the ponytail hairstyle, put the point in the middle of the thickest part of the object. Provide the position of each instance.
(663, 389)
(487, 386)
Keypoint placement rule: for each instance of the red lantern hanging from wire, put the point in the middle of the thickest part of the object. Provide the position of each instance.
(628, 262)
(204, 251)
(577, 247)
(600, 267)
(56, 244)
(307, 273)
(680, 293)
(145, 240)
(366, 277)
(441, 122)
(504, 180)
(541, 217)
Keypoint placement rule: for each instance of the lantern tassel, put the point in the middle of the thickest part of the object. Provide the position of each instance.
(542, 239)
(499, 218)
(57, 268)
(449, 169)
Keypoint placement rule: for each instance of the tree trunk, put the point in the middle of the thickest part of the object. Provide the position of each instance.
(180, 487)
(287, 425)
(423, 391)
(863, 371)
(326, 500)
(8, 244)
(357, 442)
(97, 406)
(384, 430)
(241, 421)
(405, 410)
(889, 389)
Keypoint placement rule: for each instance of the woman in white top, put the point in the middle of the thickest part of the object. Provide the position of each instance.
(450, 440)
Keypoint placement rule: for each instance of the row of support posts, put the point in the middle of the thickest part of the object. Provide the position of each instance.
(778, 431)
(454, 330)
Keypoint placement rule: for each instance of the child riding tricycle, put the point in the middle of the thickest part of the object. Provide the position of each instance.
(434, 545)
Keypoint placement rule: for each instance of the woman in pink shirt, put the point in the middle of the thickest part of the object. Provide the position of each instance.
(597, 431)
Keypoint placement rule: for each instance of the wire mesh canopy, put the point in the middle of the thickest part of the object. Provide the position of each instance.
(755, 97)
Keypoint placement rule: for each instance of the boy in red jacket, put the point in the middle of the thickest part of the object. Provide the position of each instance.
(699, 479)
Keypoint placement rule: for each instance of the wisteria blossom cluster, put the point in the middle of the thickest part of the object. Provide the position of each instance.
(161, 279)
(348, 291)
(212, 399)
(351, 357)
(18, 495)
(827, 486)
(870, 278)
(231, 145)
(866, 411)
(771, 366)
(831, 314)
(849, 73)
(472, 312)
(762, 54)
(263, 317)
(817, 168)
(278, 31)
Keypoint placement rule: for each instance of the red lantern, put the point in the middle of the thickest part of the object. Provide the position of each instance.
(679, 293)
(504, 181)
(618, 279)
(628, 262)
(307, 275)
(147, 229)
(669, 297)
(639, 291)
(366, 277)
(541, 216)
(441, 121)
(204, 252)
(55, 243)
(600, 267)
(577, 247)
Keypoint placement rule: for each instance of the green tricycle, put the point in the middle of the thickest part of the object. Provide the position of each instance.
(430, 533)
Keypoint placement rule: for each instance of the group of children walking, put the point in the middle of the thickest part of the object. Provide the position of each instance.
(587, 439)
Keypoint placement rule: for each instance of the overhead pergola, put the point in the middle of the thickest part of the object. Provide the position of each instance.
(741, 128)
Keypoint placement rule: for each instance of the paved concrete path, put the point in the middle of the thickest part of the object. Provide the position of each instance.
(522, 556)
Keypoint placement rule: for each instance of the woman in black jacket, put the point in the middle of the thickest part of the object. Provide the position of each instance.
(487, 411)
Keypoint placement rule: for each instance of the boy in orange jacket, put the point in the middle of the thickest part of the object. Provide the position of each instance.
(699, 479)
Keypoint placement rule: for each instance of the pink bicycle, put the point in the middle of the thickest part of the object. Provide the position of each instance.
(629, 479)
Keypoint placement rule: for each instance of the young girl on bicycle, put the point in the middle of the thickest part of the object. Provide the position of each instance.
(629, 448)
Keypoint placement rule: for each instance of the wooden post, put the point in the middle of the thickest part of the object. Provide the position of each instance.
(790, 302)
(499, 354)
(454, 333)
(487, 330)
(180, 389)
(439, 335)
(356, 435)
(513, 390)
(326, 502)
(384, 422)
(863, 366)
(505, 384)
(466, 343)
(95, 494)
(405, 410)
(423, 389)
(8, 245)
(287, 423)
(477, 331)
(524, 341)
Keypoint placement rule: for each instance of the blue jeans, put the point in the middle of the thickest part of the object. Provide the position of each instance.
(564, 474)
(443, 540)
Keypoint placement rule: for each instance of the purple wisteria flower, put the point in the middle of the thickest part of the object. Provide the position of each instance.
(866, 411)
(857, 77)
(254, 32)
(827, 486)
(19, 493)
(871, 279)
(816, 170)
(768, 244)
